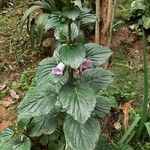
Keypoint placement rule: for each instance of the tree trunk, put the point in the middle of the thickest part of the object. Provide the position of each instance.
(97, 26)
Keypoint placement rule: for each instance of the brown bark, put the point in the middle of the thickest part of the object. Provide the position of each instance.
(97, 26)
(106, 13)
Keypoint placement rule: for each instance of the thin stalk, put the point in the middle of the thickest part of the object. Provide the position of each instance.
(69, 32)
(145, 100)
(70, 70)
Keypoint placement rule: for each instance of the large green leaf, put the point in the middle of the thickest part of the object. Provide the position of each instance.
(38, 101)
(6, 134)
(48, 6)
(79, 136)
(97, 78)
(72, 55)
(55, 20)
(44, 73)
(71, 13)
(45, 124)
(22, 145)
(27, 14)
(78, 100)
(103, 106)
(61, 33)
(98, 54)
(16, 143)
(40, 25)
(86, 17)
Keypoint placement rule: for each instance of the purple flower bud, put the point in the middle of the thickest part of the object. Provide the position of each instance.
(87, 63)
(59, 69)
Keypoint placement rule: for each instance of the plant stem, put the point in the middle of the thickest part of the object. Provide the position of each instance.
(70, 70)
(145, 100)
(69, 31)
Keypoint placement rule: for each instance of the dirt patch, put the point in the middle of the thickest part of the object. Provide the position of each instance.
(128, 41)
(7, 116)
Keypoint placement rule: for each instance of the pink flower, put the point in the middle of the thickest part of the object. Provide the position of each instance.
(87, 63)
(59, 69)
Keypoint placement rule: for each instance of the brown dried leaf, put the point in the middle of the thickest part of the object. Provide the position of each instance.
(6, 102)
(2, 86)
(13, 94)
(48, 42)
(117, 125)
(125, 107)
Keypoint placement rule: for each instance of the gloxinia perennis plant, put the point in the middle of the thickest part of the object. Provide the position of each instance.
(63, 109)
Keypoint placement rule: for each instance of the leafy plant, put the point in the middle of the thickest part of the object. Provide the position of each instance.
(140, 14)
(54, 14)
(63, 108)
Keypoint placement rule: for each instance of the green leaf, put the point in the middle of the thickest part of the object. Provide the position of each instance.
(17, 143)
(45, 124)
(56, 20)
(23, 145)
(103, 144)
(44, 73)
(102, 107)
(72, 55)
(147, 125)
(27, 14)
(61, 33)
(71, 13)
(124, 147)
(32, 34)
(98, 54)
(146, 22)
(56, 146)
(40, 25)
(86, 17)
(79, 136)
(6, 134)
(38, 101)
(48, 6)
(78, 100)
(97, 78)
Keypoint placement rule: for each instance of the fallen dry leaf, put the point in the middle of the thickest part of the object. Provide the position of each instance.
(2, 86)
(125, 107)
(6, 102)
(117, 125)
(48, 42)
(13, 94)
